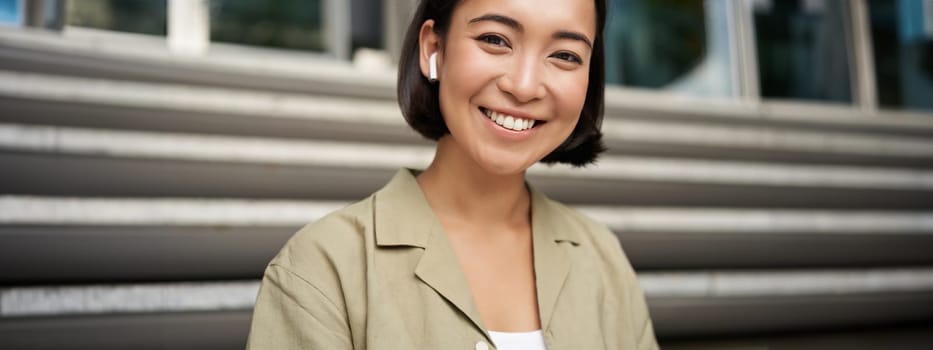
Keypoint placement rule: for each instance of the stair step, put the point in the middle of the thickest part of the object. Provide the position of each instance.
(132, 163)
(19, 210)
(140, 331)
(84, 102)
(680, 302)
(224, 66)
(76, 240)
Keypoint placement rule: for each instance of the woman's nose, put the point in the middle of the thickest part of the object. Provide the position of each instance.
(523, 80)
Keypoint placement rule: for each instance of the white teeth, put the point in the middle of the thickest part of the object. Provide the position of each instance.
(510, 122)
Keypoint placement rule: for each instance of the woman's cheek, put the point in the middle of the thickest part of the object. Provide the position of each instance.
(570, 93)
(472, 60)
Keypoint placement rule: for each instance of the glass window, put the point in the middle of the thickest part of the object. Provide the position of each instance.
(367, 27)
(902, 33)
(286, 24)
(11, 12)
(803, 49)
(136, 16)
(674, 45)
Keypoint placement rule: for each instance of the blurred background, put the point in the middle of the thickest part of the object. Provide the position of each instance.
(770, 173)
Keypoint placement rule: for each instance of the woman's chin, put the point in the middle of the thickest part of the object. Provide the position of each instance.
(504, 165)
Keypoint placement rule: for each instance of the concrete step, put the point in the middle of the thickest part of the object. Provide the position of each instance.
(124, 163)
(143, 58)
(144, 331)
(148, 60)
(62, 100)
(904, 336)
(81, 240)
(86, 102)
(228, 330)
(681, 303)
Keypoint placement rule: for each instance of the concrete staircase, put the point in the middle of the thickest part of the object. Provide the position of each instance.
(142, 193)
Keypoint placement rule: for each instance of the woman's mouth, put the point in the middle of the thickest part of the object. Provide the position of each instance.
(509, 122)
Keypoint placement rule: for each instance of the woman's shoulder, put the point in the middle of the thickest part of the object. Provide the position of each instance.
(312, 288)
(339, 241)
(586, 229)
(592, 236)
(335, 241)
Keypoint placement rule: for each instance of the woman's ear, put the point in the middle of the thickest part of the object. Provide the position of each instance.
(429, 42)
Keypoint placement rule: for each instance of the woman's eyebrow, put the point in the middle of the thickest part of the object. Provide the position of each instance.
(512, 23)
(506, 20)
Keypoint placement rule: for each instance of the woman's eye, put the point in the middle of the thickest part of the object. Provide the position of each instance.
(569, 57)
(492, 40)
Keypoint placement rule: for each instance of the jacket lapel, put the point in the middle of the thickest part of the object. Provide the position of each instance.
(404, 218)
(440, 269)
(551, 236)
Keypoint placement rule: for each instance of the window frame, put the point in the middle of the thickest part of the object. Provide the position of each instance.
(188, 29)
(749, 101)
(736, 74)
(859, 54)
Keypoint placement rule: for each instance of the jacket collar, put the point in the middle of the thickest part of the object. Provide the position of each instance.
(403, 217)
(407, 220)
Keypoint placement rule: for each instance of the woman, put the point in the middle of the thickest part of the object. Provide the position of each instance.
(465, 255)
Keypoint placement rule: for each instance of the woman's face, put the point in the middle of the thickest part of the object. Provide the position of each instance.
(513, 76)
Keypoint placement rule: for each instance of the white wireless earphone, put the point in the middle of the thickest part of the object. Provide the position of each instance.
(432, 67)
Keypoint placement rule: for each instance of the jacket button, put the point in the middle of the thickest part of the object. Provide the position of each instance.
(481, 345)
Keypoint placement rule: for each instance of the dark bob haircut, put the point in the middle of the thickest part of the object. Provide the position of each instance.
(418, 98)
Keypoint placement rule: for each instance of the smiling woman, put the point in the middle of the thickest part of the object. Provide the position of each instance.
(572, 71)
(465, 254)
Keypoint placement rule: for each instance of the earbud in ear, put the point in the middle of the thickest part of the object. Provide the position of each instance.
(432, 67)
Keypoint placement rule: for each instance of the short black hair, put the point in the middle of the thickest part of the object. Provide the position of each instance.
(418, 97)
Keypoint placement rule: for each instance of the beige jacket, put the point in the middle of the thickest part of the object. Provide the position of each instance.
(380, 274)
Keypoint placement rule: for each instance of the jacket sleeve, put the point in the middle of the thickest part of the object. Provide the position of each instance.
(291, 313)
(642, 326)
(646, 339)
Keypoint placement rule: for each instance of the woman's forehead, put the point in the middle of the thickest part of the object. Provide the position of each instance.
(552, 15)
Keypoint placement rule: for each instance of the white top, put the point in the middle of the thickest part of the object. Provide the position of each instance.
(533, 340)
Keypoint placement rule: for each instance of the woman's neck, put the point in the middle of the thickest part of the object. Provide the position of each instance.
(457, 188)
